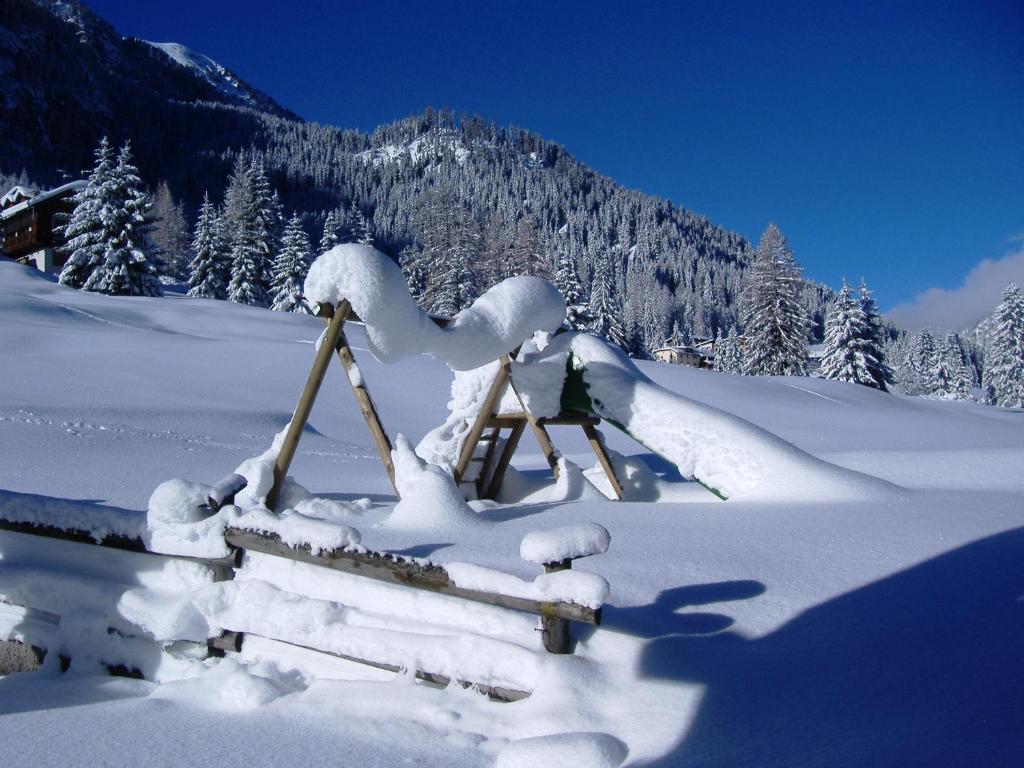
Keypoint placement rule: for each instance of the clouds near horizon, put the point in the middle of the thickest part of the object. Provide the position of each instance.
(966, 306)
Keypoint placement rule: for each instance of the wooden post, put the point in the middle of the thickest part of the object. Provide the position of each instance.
(503, 461)
(602, 456)
(555, 631)
(308, 397)
(366, 406)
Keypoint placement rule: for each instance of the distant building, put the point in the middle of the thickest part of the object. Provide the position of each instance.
(28, 218)
(700, 354)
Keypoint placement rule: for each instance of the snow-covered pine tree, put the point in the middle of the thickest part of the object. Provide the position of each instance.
(950, 376)
(290, 268)
(526, 256)
(1004, 359)
(329, 239)
(921, 364)
(210, 268)
(875, 340)
(605, 306)
(451, 246)
(170, 234)
(847, 355)
(775, 323)
(359, 225)
(85, 232)
(409, 261)
(578, 316)
(126, 269)
(728, 354)
(255, 219)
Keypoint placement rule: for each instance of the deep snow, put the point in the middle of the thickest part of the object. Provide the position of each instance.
(805, 630)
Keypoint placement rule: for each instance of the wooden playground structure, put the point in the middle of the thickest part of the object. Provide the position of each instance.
(487, 475)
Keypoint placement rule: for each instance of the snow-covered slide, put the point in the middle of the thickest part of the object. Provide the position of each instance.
(727, 454)
(724, 452)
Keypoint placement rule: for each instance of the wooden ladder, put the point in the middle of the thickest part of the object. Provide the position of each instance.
(488, 482)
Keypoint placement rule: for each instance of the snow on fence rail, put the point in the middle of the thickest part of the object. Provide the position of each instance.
(555, 614)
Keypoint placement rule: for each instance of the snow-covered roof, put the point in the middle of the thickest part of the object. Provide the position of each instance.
(36, 199)
(14, 193)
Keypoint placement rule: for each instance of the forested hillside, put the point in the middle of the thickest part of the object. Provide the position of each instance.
(667, 269)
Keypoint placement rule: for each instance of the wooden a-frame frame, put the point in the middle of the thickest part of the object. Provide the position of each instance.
(488, 482)
(332, 342)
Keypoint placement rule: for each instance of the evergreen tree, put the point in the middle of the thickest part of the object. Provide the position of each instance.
(1004, 359)
(920, 364)
(526, 256)
(255, 218)
(126, 269)
(85, 233)
(578, 316)
(949, 375)
(849, 353)
(728, 354)
(210, 269)
(330, 237)
(775, 322)
(605, 306)
(875, 340)
(170, 234)
(451, 246)
(290, 268)
(359, 226)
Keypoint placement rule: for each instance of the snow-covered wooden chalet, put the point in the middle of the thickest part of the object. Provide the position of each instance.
(28, 218)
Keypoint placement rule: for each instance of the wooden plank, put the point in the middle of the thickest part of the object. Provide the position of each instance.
(407, 573)
(309, 392)
(233, 641)
(113, 541)
(366, 406)
(597, 444)
(480, 423)
(567, 419)
(491, 438)
(498, 476)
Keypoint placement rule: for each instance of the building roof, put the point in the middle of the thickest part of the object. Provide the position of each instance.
(38, 197)
(16, 192)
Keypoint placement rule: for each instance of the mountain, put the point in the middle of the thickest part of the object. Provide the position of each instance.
(71, 78)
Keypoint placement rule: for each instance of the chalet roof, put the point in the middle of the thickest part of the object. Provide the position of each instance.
(39, 197)
(17, 194)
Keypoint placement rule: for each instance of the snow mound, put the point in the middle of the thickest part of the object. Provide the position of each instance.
(568, 541)
(497, 322)
(429, 499)
(564, 750)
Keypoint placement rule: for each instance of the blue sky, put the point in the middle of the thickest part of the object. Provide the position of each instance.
(885, 138)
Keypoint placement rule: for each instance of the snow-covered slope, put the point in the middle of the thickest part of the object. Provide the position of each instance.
(217, 75)
(873, 631)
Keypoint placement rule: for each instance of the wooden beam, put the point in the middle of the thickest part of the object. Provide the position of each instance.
(480, 423)
(390, 568)
(491, 438)
(233, 641)
(309, 392)
(112, 541)
(597, 444)
(498, 476)
(366, 406)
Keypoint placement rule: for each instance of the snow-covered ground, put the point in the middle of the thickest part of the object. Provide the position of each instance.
(804, 628)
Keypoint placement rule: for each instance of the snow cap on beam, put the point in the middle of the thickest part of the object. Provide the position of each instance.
(565, 543)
